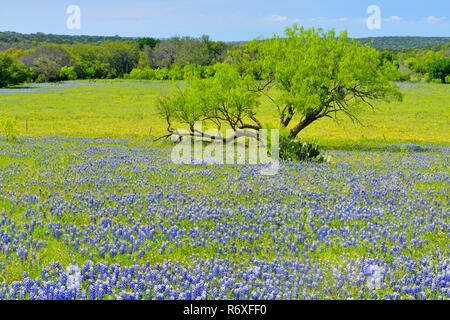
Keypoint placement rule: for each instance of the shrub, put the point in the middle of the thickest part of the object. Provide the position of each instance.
(142, 74)
(161, 74)
(67, 73)
(12, 71)
(134, 74)
(295, 150)
(9, 128)
(148, 74)
(193, 71)
(402, 77)
(440, 70)
(40, 79)
(176, 73)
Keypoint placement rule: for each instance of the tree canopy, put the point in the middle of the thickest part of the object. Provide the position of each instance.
(12, 71)
(112, 57)
(316, 75)
(440, 69)
(223, 100)
(307, 74)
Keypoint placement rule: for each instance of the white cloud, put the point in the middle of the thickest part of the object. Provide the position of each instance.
(278, 18)
(433, 19)
(394, 18)
(318, 18)
(344, 19)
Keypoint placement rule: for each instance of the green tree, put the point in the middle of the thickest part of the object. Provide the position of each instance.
(12, 71)
(221, 100)
(421, 61)
(440, 69)
(89, 61)
(185, 51)
(45, 69)
(192, 51)
(122, 57)
(144, 58)
(67, 73)
(46, 61)
(107, 60)
(176, 73)
(316, 75)
(163, 55)
(151, 42)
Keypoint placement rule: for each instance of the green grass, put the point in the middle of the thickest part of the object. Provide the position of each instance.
(122, 108)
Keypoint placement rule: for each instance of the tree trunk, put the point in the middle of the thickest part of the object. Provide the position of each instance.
(285, 122)
(300, 126)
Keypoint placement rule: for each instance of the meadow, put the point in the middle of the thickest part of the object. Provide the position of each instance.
(127, 109)
(91, 208)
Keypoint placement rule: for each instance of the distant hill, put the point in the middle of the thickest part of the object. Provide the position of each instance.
(39, 37)
(26, 40)
(399, 43)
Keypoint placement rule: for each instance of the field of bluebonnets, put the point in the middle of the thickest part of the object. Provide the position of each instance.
(114, 218)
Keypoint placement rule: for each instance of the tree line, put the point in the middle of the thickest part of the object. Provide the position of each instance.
(176, 58)
(173, 58)
(33, 39)
(23, 40)
(404, 43)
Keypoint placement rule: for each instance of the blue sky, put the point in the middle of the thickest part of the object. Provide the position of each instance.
(225, 19)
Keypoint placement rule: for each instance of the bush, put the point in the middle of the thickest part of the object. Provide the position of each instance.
(402, 77)
(193, 71)
(176, 73)
(162, 74)
(148, 74)
(40, 79)
(135, 74)
(189, 72)
(295, 150)
(8, 127)
(67, 73)
(46, 68)
(12, 71)
(440, 70)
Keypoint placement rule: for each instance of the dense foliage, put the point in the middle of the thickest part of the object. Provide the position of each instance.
(12, 71)
(307, 74)
(148, 58)
(115, 57)
(295, 150)
(33, 39)
(188, 72)
(440, 69)
(223, 100)
(393, 43)
(399, 43)
(316, 75)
